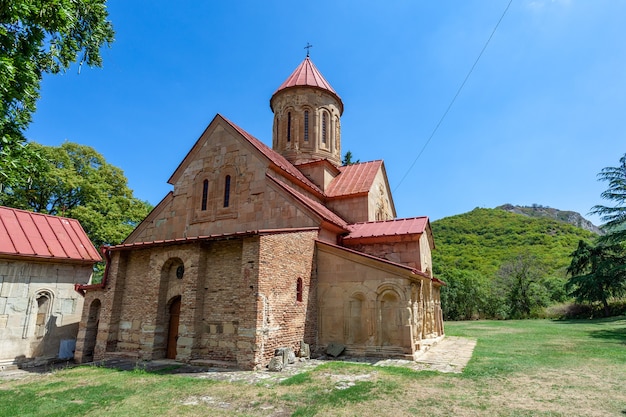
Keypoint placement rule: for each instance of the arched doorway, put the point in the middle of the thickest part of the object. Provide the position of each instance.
(172, 332)
(91, 331)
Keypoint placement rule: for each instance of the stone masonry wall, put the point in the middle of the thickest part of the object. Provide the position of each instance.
(254, 202)
(228, 318)
(406, 253)
(372, 309)
(217, 316)
(285, 321)
(27, 331)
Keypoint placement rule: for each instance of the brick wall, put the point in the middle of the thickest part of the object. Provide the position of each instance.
(285, 321)
(238, 300)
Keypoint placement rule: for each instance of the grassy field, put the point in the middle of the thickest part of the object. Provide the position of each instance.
(519, 368)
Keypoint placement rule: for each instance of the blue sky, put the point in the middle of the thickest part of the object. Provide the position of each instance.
(542, 113)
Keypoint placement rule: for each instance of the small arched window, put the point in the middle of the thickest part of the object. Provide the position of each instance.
(289, 127)
(205, 194)
(299, 289)
(324, 127)
(337, 136)
(227, 191)
(306, 125)
(43, 314)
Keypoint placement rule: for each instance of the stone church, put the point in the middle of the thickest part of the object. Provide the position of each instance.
(258, 248)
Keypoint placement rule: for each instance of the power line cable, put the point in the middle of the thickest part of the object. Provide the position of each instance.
(455, 97)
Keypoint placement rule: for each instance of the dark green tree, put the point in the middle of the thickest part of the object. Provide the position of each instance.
(464, 295)
(598, 272)
(79, 183)
(347, 159)
(38, 37)
(520, 281)
(615, 217)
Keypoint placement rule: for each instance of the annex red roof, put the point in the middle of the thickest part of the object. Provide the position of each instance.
(397, 227)
(307, 75)
(354, 179)
(27, 234)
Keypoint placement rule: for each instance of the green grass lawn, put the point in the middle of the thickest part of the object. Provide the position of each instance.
(519, 368)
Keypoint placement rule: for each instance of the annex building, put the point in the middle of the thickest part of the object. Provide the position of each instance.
(42, 258)
(258, 248)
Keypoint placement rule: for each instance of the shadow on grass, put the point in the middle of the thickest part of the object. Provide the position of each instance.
(597, 320)
(615, 332)
(617, 335)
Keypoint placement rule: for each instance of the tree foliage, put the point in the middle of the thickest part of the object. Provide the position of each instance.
(38, 37)
(78, 183)
(348, 159)
(477, 256)
(598, 272)
(519, 281)
(483, 239)
(464, 296)
(615, 217)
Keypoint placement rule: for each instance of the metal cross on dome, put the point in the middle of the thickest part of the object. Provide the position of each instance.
(308, 47)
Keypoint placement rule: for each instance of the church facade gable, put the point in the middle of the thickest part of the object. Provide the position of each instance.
(221, 188)
(380, 201)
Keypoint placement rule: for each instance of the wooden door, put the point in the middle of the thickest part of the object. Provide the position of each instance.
(172, 334)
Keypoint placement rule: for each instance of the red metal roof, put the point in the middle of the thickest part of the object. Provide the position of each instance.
(307, 75)
(28, 234)
(397, 227)
(354, 179)
(218, 236)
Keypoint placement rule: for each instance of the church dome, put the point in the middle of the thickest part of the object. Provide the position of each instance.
(307, 113)
(307, 74)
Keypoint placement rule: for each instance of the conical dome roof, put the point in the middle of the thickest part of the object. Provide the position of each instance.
(307, 75)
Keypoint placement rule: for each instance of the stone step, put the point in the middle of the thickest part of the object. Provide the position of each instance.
(213, 363)
(8, 365)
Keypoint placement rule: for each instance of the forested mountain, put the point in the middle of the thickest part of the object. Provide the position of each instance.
(483, 255)
(482, 239)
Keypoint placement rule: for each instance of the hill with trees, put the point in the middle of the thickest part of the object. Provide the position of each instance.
(503, 264)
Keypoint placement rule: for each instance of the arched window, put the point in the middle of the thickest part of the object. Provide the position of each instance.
(299, 290)
(227, 191)
(306, 125)
(43, 314)
(205, 194)
(324, 127)
(289, 127)
(337, 136)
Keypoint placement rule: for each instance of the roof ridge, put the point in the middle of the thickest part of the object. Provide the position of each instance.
(275, 157)
(40, 235)
(324, 212)
(391, 220)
